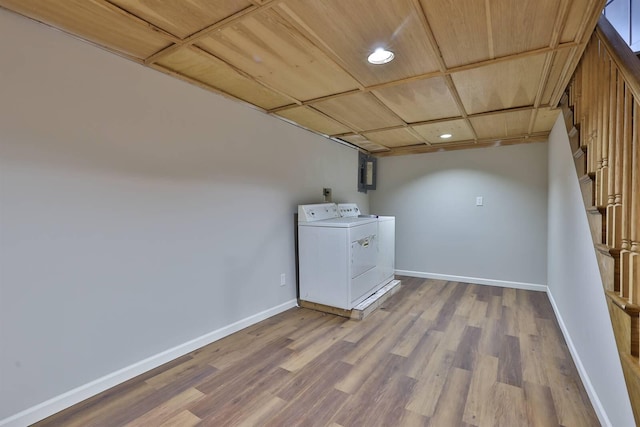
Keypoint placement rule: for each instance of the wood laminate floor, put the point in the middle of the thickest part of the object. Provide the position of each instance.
(436, 354)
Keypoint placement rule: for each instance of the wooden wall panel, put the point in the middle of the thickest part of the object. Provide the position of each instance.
(457, 128)
(314, 120)
(94, 21)
(215, 73)
(500, 86)
(420, 100)
(361, 111)
(185, 17)
(353, 29)
(267, 47)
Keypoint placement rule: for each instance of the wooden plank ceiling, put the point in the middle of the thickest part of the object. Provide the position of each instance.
(488, 72)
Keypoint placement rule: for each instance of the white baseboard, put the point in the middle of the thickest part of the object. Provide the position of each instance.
(475, 280)
(593, 396)
(70, 398)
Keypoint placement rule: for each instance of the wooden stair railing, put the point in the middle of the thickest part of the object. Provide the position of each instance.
(602, 113)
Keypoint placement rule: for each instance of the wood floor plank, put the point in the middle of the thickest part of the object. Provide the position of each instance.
(430, 384)
(541, 411)
(453, 332)
(384, 390)
(569, 397)
(183, 419)
(505, 406)
(446, 313)
(467, 351)
(263, 413)
(509, 362)
(509, 297)
(478, 314)
(534, 369)
(167, 410)
(453, 399)
(482, 380)
(436, 353)
(423, 352)
(412, 337)
(491, 337)
(494, 311)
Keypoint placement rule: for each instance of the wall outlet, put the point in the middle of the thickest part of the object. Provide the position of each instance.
(326, 192)
(479, 201)
(283, 279)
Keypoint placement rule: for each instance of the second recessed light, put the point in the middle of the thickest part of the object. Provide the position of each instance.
(446, 136)
(381, 56)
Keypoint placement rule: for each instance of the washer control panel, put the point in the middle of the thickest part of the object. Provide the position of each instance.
(318, 212)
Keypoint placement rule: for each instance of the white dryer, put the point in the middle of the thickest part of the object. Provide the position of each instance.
(386, 241)
(338, 256)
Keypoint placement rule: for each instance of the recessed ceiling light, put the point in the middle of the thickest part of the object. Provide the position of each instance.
(381, 56)
(446, 136)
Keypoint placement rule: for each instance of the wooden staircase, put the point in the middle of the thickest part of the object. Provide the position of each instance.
(602, 113)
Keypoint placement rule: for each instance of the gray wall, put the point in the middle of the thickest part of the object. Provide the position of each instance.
(575, 287)
(441, 231)
(137, 212)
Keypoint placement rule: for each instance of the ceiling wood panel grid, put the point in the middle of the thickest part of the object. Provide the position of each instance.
(268, 48)
(353, 29)
(499, 86)
(523, 25)
(420, 100)
(545, 119)
(364, 143)
(211, 71)
(460, 29)
(459, 129)
(312, 119)
(393, 138)
(502, 125)
(361, 112)
(95, 21)
(185, 17)
(578, 15)
(485, 71)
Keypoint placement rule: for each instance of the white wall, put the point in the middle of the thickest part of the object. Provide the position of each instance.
(441, 232)
(576, 290)
(137, 212)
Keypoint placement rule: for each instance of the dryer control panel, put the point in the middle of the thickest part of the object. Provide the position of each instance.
(348, 210)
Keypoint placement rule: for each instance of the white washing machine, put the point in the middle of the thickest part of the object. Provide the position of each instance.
(386, 241)
(338, 256)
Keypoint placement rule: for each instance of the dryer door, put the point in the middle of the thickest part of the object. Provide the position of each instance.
(364, 254)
